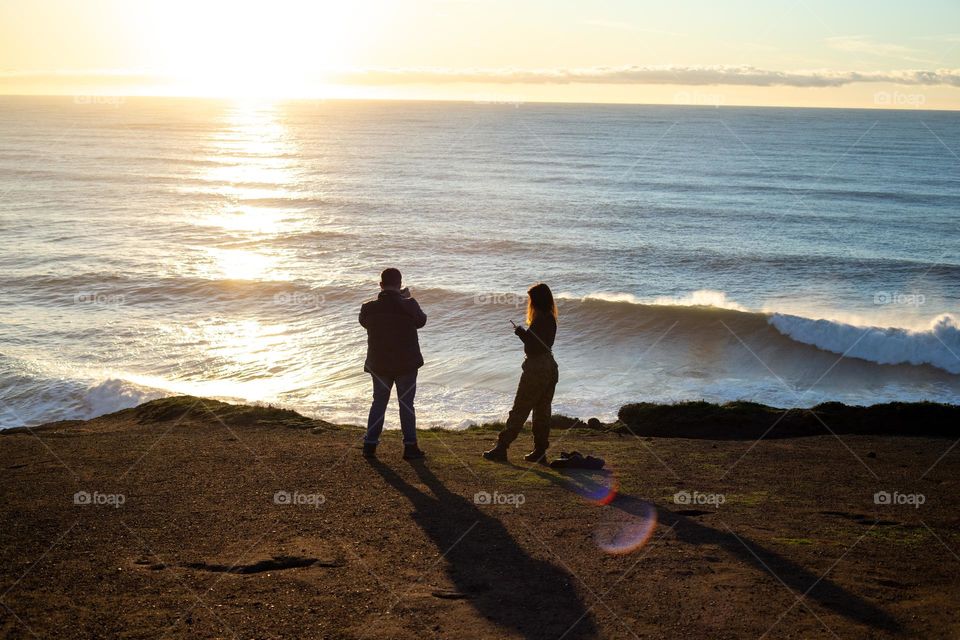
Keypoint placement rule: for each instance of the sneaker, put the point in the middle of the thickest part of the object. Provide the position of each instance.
(497, 454)
(369, 450)
(413, 452)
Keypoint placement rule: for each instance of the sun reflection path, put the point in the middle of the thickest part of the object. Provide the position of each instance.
(255, 194)
(242, 360)
(240, 264)
(253, 166)
(254, 172)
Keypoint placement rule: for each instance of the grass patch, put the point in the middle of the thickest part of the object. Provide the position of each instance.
(907, 536)
(235, 415)
(794, 541)
(750, 420)
(752, 499)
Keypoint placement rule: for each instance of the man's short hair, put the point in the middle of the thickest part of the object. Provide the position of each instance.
(391, 277)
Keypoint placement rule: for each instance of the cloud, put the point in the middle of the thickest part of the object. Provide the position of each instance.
(947, 37)
(621, 75)
(73, 78)
(639, 75)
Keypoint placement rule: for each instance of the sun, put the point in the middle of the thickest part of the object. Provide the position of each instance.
(258, 49)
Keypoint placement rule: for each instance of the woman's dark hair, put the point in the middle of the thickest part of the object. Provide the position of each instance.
(540, 300)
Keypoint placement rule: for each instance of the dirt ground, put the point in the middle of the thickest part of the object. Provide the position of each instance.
(192, 525)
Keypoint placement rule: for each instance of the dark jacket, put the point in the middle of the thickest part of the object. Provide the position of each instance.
(538, 339)
(391, 322)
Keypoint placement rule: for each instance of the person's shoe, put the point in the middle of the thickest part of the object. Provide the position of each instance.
(537, 455)
(369, 450)
(497, 454)
(413, 452)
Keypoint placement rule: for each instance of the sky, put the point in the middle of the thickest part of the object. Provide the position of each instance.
(817, 53)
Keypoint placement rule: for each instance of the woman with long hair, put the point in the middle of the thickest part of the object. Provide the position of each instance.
(538, 379)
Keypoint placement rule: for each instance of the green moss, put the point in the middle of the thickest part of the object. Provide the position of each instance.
(557, 422)
(749, 420)
(183, 408)
(794, 541)
(907, 536)
(733, 420)
(751, 499)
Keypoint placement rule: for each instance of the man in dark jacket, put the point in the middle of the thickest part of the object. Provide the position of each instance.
(393, 357)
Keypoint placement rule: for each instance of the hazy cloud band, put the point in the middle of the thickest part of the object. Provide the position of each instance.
(622, 75)
(626, 75)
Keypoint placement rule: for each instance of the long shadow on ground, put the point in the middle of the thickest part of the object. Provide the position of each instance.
(801, 581)
(500, 580)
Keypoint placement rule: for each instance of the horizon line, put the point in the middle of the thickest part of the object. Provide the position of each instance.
(491, 102)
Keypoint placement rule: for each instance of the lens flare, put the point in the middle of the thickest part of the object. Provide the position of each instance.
(599, 487)
(626, 524)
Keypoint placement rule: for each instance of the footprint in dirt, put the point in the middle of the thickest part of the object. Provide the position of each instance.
(861, 519)
(148, 564)
(276, 563)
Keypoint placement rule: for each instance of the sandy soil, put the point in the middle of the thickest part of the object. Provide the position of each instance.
(200, 546)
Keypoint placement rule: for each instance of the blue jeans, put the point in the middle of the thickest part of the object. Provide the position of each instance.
(406, 390)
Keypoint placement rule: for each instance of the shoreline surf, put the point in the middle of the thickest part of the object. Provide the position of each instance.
(702, 326)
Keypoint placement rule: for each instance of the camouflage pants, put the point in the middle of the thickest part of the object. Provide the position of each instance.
(534, 393)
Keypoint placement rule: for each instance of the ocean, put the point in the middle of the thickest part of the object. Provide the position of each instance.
(153, 246)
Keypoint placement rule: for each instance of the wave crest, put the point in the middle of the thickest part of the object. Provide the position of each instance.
(698, 298)
(937, 346)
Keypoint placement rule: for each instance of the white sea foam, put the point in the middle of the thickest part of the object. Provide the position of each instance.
(699, 298)
(938, 345)
(935, 343)
(114, 394)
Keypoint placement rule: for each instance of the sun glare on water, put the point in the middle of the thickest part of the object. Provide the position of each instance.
(252, 170)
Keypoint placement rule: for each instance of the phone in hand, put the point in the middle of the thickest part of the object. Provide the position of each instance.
(405, 292)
